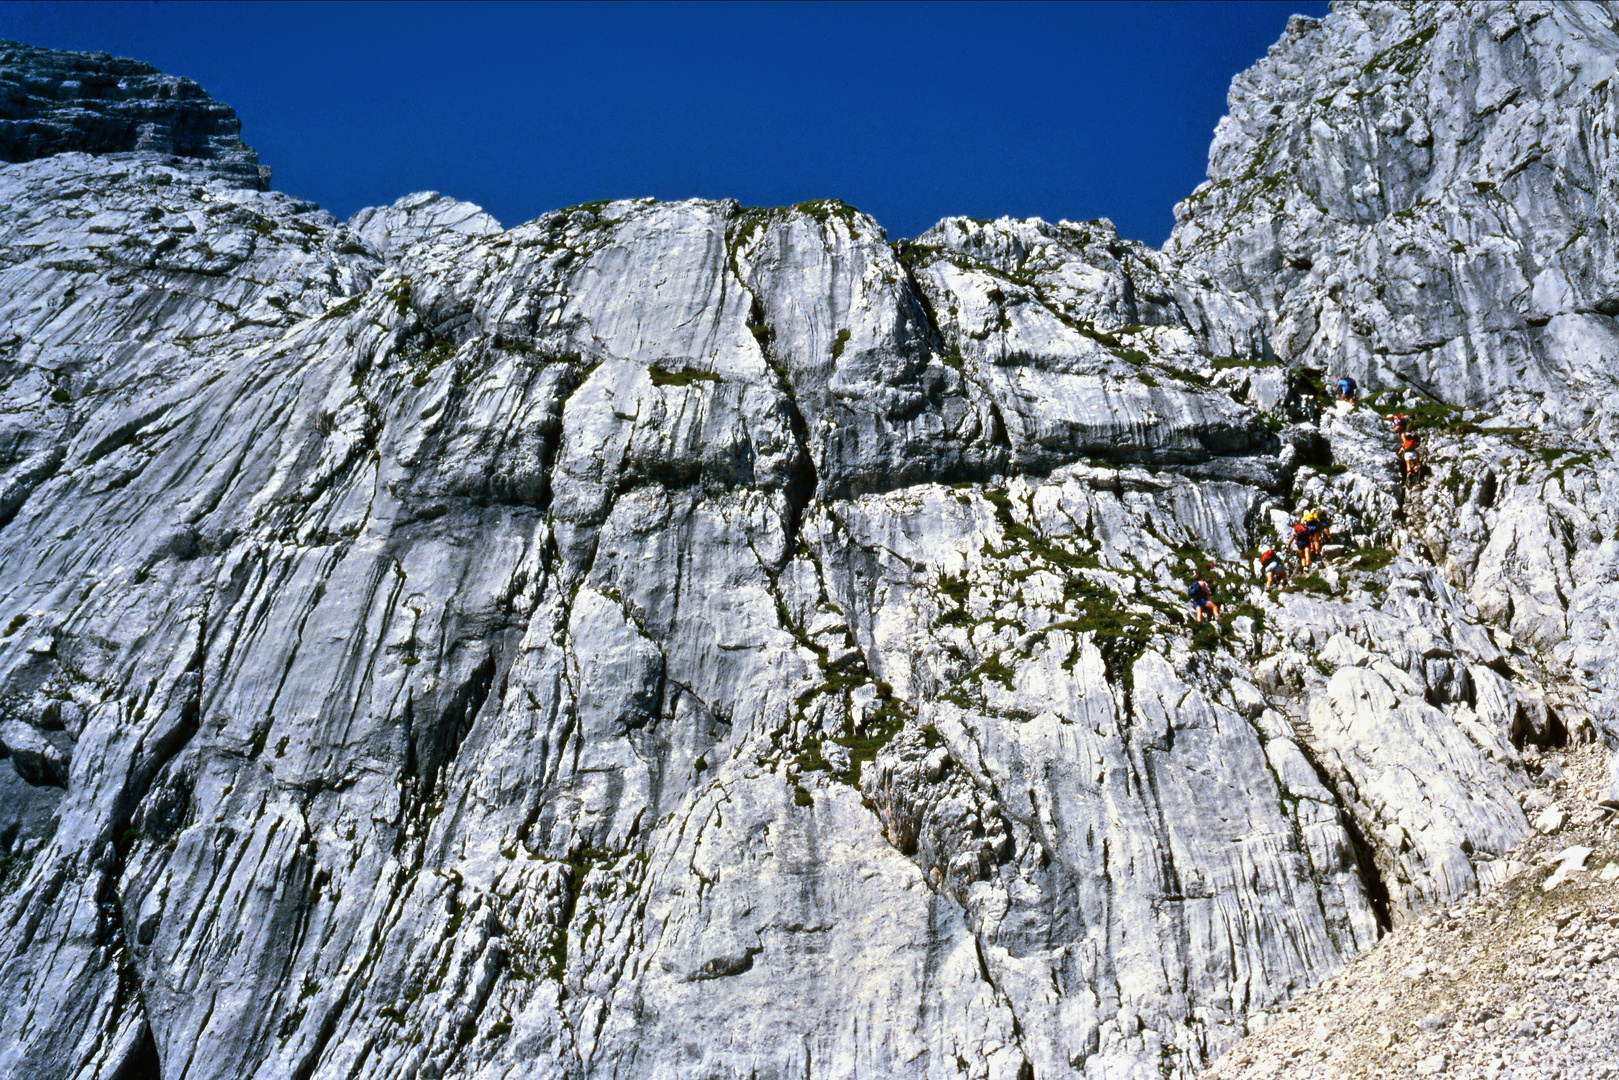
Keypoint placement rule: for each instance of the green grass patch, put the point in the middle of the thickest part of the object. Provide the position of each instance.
(1120, 636)
(399, 292)
(825, 210)
(1206, 635)
(428, 362)
(911, 254)
(879, 725)
(1310, 583)
(810, 759)
(1437, 416)
(1020, 535)
(991, 667)
(956, 590)
(1404, 57)
(1571, 463)
(876, 731)
(1371, 559)
(839, 342)
(1181, 375)
(662, 376)
(349, 307)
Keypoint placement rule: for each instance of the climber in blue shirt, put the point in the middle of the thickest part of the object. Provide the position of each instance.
(1346, 389)
(1202, 600)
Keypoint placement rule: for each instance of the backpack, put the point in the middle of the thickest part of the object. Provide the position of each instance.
(1299, 528)
(1346, 384)
(1197, 592)
(1268, 556)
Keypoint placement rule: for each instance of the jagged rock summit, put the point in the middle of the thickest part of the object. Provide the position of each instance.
(54, 102)
(1425, 200)
(689, 640)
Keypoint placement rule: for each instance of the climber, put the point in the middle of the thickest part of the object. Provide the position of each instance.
(1272, 567)
(1402, 423)
(1320, 527)
(1202, 599)
(1346, 389)
(1302, 541)
(1409, 459)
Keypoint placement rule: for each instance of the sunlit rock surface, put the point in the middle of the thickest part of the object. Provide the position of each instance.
(691, 640)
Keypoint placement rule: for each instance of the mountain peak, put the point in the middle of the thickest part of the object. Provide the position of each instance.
(54, 101)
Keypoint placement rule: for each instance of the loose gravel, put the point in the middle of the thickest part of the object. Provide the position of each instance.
(1521, 982)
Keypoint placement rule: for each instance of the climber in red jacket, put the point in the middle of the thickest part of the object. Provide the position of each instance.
(1410, 460)
(1272, 566)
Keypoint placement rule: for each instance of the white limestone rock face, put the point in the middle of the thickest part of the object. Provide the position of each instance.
(1422, 196)
(680, 639)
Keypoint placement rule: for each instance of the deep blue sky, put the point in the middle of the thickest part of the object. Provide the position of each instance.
(909, 111)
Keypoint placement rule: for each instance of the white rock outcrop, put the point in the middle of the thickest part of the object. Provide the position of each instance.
(680, 639)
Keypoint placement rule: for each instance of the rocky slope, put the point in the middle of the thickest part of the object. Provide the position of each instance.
(695, 640)
(1522, 982)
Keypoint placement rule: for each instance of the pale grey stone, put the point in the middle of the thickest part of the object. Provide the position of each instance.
(676, 639)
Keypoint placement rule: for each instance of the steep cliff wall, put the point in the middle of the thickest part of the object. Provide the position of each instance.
(693, 640)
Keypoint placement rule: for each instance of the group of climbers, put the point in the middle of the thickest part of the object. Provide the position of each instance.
(1410, 458)
(1313, 530)
(1410, 451)
(1310, 535)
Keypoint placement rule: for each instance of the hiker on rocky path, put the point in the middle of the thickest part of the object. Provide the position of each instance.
(1202, 600)
(1346, 389)
(1270, 564)
(1302, 542)
(1319, 526)
(1402, 422)
(1410, 460)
